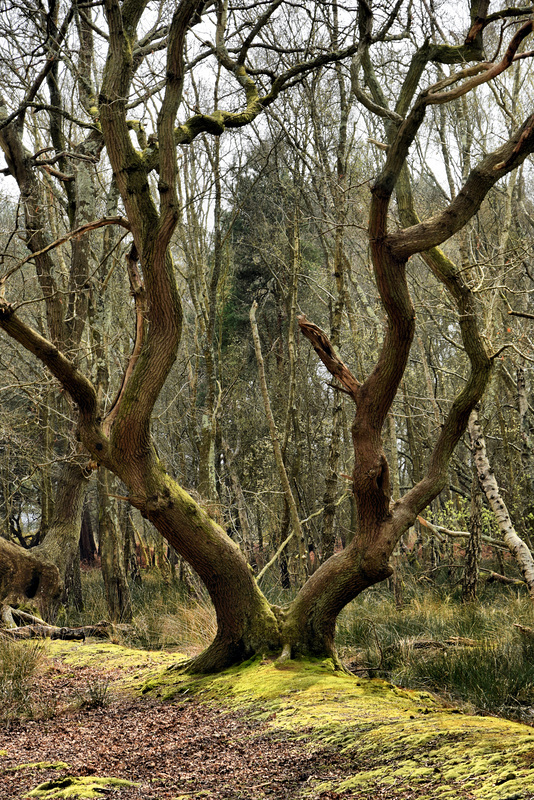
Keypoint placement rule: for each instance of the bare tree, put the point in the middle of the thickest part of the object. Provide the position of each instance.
(122, 442)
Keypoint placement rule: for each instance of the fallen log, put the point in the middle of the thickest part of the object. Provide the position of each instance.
(37, 628)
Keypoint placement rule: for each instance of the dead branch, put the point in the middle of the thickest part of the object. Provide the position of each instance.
(325, 350)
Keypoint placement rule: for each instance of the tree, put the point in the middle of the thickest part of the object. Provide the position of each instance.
(260, 66)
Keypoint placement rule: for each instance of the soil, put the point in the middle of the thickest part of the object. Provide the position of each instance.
(184, 748)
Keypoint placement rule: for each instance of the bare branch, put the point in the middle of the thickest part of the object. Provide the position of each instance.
(89, 226)
(322, 346)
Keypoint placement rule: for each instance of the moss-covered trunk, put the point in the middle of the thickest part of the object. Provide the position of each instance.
(246, 623)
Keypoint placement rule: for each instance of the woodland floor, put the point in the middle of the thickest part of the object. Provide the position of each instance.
(184, 748)
(169, 749)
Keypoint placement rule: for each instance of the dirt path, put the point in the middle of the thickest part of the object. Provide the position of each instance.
(308, 731)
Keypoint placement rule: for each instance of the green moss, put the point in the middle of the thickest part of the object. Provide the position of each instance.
(394, 738)
(86, 788)
(136, 665)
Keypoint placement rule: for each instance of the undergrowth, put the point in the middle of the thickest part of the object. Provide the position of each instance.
(163, 616)
(469, 653)
(19, 662)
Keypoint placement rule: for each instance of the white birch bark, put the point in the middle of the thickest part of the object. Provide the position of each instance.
(515, 544)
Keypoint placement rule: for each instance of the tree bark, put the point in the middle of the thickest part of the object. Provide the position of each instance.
(39, 575)
(515, 544)
(474, 543)
(111, 543)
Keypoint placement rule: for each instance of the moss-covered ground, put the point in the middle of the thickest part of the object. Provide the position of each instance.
(392, 740)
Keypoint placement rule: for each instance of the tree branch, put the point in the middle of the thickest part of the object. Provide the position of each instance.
(324, 349)
(89, 226)
(73, 381)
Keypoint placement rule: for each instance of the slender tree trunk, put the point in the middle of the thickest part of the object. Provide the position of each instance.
(516, 545)
(112, 554)
(474, 543)
(88, 548)
(527, 454)
(284, 479)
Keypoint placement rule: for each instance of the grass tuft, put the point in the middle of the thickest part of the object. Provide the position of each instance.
(19, 662)
(466, 652)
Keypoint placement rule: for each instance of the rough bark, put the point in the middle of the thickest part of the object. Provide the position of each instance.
(111, 542)
(41, 575)
(26, 577)
(474, 543)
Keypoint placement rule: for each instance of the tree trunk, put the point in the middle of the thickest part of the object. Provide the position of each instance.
(474, 543)
(516, 545)
(309, 626)
(27, 577)
(61, 544)
(41, 574)
(245, 626)
(112, 555)
(88, 548)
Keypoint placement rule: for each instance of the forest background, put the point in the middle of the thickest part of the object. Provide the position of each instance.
(264, 214)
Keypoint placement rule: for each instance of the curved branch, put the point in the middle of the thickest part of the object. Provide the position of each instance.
(175, 73)
(73, 381)
(482, 178)
(324, 349)
(491, 71)
(89, 226)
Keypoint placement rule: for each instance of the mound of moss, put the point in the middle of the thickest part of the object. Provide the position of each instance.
(392, 738)
(70, 787)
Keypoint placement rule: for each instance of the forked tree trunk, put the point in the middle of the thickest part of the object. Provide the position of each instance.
(247, 624)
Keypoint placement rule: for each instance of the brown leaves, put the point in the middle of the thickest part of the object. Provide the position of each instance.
(169, 750)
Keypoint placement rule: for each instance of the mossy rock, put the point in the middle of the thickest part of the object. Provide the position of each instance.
(82, 788)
